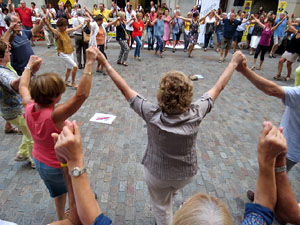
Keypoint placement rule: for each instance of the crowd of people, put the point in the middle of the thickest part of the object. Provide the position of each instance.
(30, 102)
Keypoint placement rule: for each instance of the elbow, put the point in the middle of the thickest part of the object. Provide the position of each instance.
(81, 97)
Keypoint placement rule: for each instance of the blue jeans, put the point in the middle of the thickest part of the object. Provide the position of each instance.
(150, 37)
(159, 44)
(138, 41)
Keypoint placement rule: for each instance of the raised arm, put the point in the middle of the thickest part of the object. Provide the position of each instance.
(54, 31)
(219, 17)
(67, 109)
(265, 85)
(206, 15)
(223, 80)
(10, 32)
(70, 30)
(88, 11)
(259, 23)
(184, 19)
(271, 143)
(11, 8)
(68, 146)
(291, 28)
(32, 67)
(117, 79)
(286, 209)
(36, 29)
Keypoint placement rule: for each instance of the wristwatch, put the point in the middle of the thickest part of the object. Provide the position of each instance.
(76, 171)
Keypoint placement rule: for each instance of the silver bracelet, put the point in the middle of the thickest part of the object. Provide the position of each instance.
(280, 169)
(27, 67)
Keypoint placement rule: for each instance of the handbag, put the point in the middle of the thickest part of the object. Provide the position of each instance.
(126, 34)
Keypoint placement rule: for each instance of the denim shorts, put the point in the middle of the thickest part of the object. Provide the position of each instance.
(219, 36)
(53, 178)
(176, 37)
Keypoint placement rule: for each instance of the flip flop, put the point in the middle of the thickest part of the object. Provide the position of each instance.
(287, 78)
(74, 85)
(11, 130)
(124, 64)
(277, 77)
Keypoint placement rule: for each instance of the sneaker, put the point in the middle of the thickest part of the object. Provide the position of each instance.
(250, 195)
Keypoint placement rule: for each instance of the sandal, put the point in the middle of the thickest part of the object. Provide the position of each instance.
(11, 130)
(287, 78)
(68, 84)
(74, 85)
(21, 158)
(124, 64)
(220, 60)
(277, 77)
(119, 63)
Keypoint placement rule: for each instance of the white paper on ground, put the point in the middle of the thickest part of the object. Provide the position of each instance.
(103, 118)
(199, 76)
(2, 222)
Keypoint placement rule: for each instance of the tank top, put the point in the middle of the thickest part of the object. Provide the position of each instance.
(266, 37)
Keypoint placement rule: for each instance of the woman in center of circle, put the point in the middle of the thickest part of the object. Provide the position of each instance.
(170, 160)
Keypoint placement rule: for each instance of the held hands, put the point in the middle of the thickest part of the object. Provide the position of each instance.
(34, 63)
(237, 57)
(91, 54)
(271, 142)
(68, 145)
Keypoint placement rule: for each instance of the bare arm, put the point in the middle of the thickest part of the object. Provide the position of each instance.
(204, 17)
(287, 209)
(117, 79)
(10, 32)
(72, 105)
(10, 6)
(259, 23)
(219, 18)
(184, 19)
(223, 80)
(266, 86)
(54, 31)
(36, 29)
(70, 30)
(291, 28)
(89, 12)
(15, 84)
(24, 87)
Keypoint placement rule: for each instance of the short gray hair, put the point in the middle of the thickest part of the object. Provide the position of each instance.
(79, 12)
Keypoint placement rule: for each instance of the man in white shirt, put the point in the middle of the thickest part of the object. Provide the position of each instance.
(129, 14)
(238, 35)
(79, 43)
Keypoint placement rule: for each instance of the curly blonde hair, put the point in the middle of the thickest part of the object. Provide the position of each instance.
(203, 209)
(175, 93)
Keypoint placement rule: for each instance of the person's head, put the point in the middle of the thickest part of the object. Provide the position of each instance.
(233, 10)
(152, 4)
(152, 10)
(32, 5)
(270, 22)
(76, 6)
(5, 11)
(177, 7)
(262, 18)
(129, 8)
(203, 209)
(232, 16)
(282, 15)
(224, 15)
(239, 12)
(242, 15)
(166, 12)
(211, 15)
(261, 8)
(159, 14)
(139, 16)
(189, 15)
(18, 22)
(23, 4)
(79, 12)
(61, 5)
(101, 6)
(99, 19)
(219, 11)
(246, 15)
(44, 8)
(62, 24)
(95, 6)
(4, 53)
(47, 88)
(178, 13)
(49, 6)
(196, 15)
(121, 15)
(175, 93)
(195, 7)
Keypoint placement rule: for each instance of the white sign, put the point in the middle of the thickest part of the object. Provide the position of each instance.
(2, 222)
(103, 118)
(206, 6)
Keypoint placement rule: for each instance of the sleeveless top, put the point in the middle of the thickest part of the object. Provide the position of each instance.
(194, 27)
(294, 45)
(159, 27)
(41, 127)
(120, 32)
(266, 37)
(64, 43)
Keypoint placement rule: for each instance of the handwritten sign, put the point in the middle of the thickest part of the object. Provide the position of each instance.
(103, 118)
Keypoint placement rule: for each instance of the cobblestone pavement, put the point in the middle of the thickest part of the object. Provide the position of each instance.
(227, 140)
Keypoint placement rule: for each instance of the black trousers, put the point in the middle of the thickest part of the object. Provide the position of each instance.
(263, 50)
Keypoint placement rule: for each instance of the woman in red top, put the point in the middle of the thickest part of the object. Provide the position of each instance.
(137, 33)
(44, 117)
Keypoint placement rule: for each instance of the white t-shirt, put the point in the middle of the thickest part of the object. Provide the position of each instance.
(128, 17)
(76, 21)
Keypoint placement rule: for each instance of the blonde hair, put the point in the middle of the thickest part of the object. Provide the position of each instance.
(203, 209)
(175, 92)
(121, 14)
(45, 87)
(139, 15)
(189, 14)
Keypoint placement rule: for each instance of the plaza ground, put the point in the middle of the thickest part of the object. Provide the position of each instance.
(227, 140)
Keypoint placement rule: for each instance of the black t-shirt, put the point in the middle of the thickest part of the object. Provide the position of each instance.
(230, 27)
(257, 30)
(294, 45)
(121, 32)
